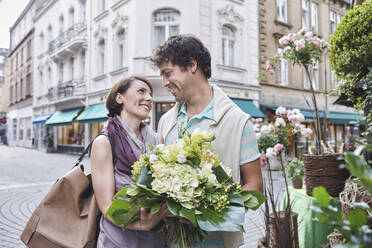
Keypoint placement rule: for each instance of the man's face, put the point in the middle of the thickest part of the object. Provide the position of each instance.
(177, 80)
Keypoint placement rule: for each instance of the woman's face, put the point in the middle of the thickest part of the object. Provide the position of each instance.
(137, 101)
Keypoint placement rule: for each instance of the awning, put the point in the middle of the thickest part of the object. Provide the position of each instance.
(63, 117)
(41, 119)
(345, 118)
(309, 114)
(248, 107)
(93, 113)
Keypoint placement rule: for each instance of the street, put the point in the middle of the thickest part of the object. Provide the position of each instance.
(26, 175)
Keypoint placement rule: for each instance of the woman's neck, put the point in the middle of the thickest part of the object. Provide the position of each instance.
(133, 123)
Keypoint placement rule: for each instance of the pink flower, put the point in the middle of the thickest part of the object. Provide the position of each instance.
(316, 41)
(296, 118)
(309, 34)
(300, 44)
(269, 67)
(281, 111)
(284, 40)
(266, 129)
(291, 37)
(286, 49)
(259, 120)
(277, 148)
(270, 152)
(280, 122)
(258, 135)
(289, 113)
(306, 131)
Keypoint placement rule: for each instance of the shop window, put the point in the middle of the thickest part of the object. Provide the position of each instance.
(161, 108)
(95, 129)
(28, 128)
(71, 135)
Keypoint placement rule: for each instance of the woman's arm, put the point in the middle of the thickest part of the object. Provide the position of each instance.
(104, 185)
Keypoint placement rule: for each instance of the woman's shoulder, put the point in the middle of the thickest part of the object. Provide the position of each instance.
(101, 141)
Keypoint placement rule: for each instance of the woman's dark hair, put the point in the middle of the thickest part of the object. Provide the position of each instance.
(180, 50)
(121, 87)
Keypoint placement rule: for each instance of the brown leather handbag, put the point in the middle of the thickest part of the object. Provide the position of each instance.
(68, 215)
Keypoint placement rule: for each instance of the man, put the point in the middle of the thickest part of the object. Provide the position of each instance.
(185, 67)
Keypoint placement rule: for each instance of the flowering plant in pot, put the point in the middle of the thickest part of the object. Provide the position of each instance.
(305, 49)
(295, 171)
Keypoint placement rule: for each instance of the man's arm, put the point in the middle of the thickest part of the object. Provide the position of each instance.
(251, 175)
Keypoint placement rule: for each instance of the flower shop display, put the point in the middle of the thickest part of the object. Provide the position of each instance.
(295, 171)
(190, 179)
(306, 49)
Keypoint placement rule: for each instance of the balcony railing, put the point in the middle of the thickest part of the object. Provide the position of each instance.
(71, 88)
(77, 30)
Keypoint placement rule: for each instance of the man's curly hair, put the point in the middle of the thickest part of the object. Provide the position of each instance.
(180, 50)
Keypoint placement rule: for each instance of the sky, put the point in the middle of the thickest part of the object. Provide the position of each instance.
(9, 12)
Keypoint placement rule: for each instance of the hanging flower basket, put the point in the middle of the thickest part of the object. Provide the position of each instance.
(323, 170)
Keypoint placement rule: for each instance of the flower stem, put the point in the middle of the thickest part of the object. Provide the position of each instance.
(317, 126)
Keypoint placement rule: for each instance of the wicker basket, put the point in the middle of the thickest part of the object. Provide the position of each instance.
(323, 170)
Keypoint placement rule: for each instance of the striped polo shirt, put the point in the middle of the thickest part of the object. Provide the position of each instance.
(248, 147)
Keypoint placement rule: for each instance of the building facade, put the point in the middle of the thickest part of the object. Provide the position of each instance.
(4, 94)
(289, 86)
(60, 73)
(20, 73)
(84, 47)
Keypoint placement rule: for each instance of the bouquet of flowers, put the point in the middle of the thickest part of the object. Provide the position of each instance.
(190, 179)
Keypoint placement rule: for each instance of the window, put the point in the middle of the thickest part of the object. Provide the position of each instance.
(339, 18)
(61, 74)
(28, 49)
(21, 89)
(166, 23)
(1, 91)
(120, 48)
(22, 56)
(228, 45)
(2, 59)
(83, 61)
(17, 61)
(281, 10)
(16, 92)
(72, 68)
(14, 129)
(61, 24)
(41, 84)
(101, 56)
(28, 84)
(11, 93)
(332, 19)
(102, 5)
(333, 79)
(314, 17)
(305, 14)
(21, 128)
(282, 70)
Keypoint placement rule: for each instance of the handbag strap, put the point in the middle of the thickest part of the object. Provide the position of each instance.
(88, 148)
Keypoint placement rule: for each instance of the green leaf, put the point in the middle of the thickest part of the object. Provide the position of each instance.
(133, 190)
(144, 178)
(173, 207)
(357, 218)
(232, 220)
(221, 175)
(152, 192)
(120, 217)
(155, 208)
(188, 214)
(117, 204)
(253, 198)
(122, 192)
(236, 198)
(321, 195)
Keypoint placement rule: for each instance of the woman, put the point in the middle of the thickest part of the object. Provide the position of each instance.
(129, 102)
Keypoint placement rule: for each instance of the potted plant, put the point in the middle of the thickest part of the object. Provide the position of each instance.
(295, 171)
(320, 167)
(50, 144)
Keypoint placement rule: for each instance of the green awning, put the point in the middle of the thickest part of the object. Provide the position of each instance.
(309, 114)
(345, 118)
(93, 113)
(248, 107)
(63, 117)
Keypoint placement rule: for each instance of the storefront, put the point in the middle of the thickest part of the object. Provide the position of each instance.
(96, 116)
(69, 134)
(40, 131)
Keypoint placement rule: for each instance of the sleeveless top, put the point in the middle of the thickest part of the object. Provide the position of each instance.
(126, 148)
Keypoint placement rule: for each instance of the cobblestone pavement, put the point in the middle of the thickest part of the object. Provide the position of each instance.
(26, 175)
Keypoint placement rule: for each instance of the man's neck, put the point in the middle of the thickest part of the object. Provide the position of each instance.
(202, 97)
